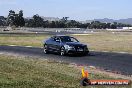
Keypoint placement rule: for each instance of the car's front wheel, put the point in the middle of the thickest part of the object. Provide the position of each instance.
(45, 49)
(62, 51)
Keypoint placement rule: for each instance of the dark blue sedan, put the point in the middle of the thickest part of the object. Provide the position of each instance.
(64, 45)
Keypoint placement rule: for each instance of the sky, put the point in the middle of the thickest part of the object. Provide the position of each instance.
(75, 9)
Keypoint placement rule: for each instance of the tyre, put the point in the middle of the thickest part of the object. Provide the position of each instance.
(86, 53)
(62, 51)
(45, 49)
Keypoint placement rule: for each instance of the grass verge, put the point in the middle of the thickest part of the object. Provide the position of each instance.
(108, 41)
(25, 72)
(103, 41)
(23, 40)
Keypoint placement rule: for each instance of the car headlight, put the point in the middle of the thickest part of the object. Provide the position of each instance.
(69, 47)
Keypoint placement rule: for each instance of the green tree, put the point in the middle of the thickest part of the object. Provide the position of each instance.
(37, 21)
(11, 18)
(108, 25)
(20, 18)
(2, 21)
(15, 19)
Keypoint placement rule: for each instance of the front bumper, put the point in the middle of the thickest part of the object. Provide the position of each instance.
(77, 52)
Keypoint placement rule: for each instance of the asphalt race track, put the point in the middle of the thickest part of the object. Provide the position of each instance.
(117, 62)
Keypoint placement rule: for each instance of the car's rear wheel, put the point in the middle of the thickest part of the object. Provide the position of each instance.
(45, 49)
(86, 53)
(62, 51)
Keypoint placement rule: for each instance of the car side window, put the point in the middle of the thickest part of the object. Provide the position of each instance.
(74, 40)
(56, 39)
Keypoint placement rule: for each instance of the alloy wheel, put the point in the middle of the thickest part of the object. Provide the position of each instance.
(45, 49)
(62, 51)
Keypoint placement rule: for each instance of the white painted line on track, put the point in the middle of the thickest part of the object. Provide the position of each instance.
(105, 51)
(12, 45)
(123, 52)
(25, 46)
(28, 46)
(1, 53)
(112, 52)
(93, 67)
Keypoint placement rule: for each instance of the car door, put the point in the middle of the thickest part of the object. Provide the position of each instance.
(54, 44)
(57, 44)
(50, 44)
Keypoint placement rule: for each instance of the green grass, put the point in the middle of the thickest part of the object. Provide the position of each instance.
(106, 41)
(22, 40)
(103, 41)
(25, 72)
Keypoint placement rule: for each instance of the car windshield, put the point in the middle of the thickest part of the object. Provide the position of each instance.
(68, 39)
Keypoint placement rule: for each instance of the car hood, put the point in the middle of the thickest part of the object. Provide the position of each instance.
(75, 44)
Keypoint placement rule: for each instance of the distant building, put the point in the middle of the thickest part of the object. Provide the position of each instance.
(130, 28)
(47, 18)
(51, 18)
(125, 28)
(120, 29)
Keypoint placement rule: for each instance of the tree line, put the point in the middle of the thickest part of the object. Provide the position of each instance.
(17, 20)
